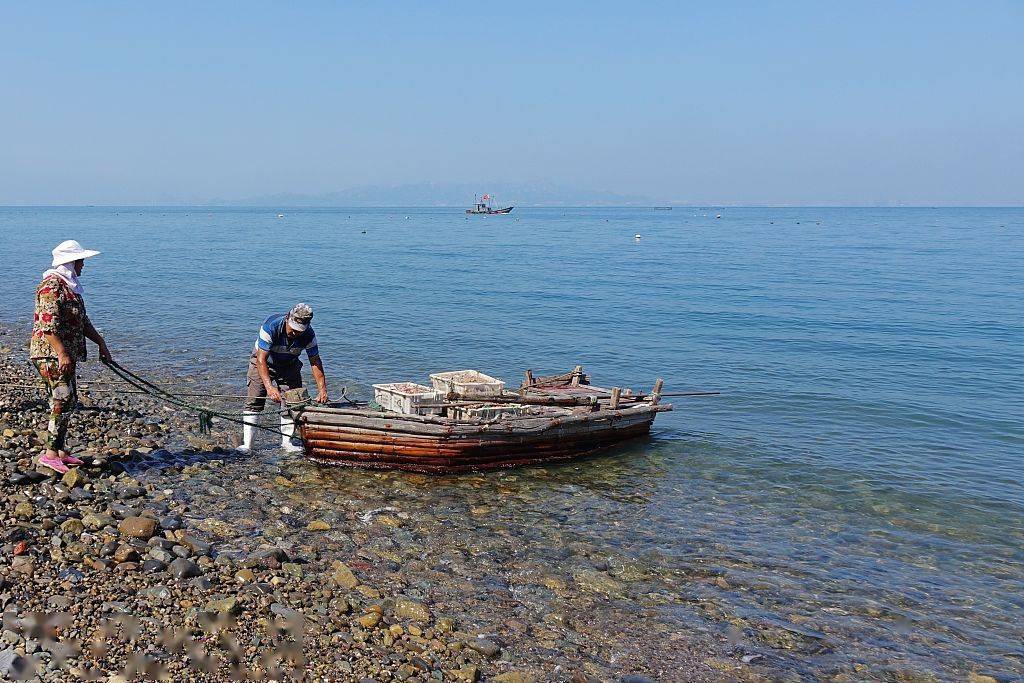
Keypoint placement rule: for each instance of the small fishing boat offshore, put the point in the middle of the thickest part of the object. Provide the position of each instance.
(482, 206)
(468, 422)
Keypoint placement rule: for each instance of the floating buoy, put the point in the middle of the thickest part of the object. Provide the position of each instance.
(364, 232)
(636, 236)
(718, 215)
(280, 215)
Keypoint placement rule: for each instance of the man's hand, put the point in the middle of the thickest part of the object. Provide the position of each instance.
(321, 396)
(273, 394)
(64, 362)
(104, 352)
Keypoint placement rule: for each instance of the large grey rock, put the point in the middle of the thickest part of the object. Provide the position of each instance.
(183, 569)
(10, 662)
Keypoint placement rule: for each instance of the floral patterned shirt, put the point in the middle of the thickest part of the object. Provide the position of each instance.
(62, 312)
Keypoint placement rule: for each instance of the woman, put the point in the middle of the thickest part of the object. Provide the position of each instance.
(59, 330)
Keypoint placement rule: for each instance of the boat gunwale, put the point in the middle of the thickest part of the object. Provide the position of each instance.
(642, 407)
(448, 429)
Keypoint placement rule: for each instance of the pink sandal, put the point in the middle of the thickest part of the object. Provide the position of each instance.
(53, 462)
(71, 460)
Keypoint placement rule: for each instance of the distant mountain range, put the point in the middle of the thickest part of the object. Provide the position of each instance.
(446, 194)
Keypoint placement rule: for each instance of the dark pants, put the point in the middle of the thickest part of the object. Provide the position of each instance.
(286, 378)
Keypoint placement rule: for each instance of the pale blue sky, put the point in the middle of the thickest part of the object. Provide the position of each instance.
(779, 102)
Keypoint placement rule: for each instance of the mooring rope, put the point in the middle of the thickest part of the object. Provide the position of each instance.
(206, 414)
(89, 387)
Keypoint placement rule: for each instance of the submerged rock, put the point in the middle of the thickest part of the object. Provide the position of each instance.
(412, 610)
(486, 647)
(598, 582)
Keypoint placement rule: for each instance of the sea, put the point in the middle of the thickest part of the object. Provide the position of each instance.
(860, 473)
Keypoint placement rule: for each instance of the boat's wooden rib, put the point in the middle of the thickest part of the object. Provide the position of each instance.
(358, 437)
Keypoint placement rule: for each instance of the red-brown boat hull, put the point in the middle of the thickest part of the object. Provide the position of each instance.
(392, 441)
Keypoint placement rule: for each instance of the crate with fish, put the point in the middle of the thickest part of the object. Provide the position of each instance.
(466, 383)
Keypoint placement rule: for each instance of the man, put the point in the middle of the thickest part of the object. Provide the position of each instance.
(275, 367)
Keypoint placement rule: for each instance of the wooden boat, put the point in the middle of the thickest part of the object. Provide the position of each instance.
(558, 418)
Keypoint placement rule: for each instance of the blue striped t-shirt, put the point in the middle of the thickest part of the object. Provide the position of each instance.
(282, 351)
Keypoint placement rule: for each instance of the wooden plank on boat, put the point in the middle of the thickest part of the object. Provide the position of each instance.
(331, 451)
(656, 391)
(455, 447)
(401, 423)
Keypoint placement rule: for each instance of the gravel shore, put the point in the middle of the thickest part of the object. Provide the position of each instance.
(135, 564)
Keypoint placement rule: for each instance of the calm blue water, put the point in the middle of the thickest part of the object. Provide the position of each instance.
(868, 443)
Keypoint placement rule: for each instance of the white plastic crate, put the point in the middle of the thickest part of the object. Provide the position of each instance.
(466, 383)
(405, 397)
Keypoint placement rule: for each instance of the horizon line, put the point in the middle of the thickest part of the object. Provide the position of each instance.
(525, 206)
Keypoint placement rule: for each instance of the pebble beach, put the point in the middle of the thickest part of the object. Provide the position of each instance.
(168, 555)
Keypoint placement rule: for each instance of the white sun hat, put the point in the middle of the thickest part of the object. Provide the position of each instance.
(69, 251)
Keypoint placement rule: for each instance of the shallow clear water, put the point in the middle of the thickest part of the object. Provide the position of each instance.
(860, 475)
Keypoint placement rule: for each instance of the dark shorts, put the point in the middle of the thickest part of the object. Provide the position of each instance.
(284, 379)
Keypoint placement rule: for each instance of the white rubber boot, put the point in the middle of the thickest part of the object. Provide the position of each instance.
(287, 431)
(248, 431)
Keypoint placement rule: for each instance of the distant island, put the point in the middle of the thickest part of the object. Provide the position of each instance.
(447, 194)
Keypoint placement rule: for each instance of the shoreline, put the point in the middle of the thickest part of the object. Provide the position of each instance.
(145, 530)
(508, 576)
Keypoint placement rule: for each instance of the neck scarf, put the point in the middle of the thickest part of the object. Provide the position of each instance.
(66, 272)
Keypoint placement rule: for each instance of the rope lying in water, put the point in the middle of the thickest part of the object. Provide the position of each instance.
(206, 414)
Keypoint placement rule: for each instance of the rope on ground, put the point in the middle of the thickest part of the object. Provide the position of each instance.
(88, 386)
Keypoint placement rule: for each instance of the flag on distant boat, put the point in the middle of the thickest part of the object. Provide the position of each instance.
(487, 197)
